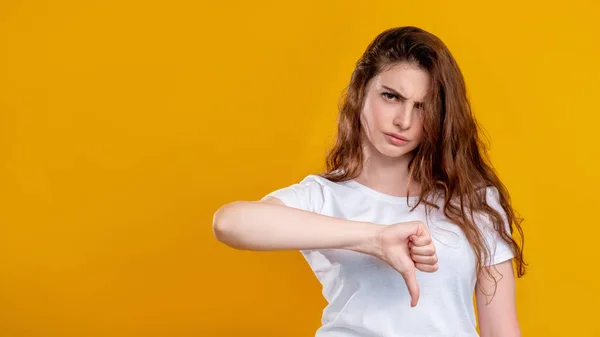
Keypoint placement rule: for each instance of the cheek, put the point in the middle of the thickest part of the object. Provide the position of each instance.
(366, 117)
(374, 114)
(417, 131)
(419, 126)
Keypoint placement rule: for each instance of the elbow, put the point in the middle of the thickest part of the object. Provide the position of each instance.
(502, 332)
(224, 225)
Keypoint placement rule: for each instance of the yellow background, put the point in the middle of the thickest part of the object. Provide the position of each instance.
(126, 124)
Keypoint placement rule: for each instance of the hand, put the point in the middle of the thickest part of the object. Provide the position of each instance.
(407, 246)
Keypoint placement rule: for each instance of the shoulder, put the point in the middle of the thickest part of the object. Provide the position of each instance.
(495, 217)
(492, 193)
(493, 199)
(306, 194)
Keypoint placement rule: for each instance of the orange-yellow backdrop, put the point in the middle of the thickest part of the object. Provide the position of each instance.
(126, 124)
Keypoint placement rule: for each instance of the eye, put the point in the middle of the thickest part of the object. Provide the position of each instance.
(389, 95)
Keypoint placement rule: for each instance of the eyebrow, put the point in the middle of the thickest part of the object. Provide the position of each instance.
(395, 92)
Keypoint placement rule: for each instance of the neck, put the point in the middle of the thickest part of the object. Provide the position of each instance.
(387, 175)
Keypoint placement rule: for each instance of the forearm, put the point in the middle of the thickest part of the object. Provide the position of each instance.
(260, 226)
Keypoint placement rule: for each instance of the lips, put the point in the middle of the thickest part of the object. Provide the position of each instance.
(397, 136)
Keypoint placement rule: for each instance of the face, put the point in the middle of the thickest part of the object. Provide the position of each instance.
(391, 119)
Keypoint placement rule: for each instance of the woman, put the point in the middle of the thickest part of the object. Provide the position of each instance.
(408, 210)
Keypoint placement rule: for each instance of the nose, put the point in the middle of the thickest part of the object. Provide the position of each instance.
(404, 116)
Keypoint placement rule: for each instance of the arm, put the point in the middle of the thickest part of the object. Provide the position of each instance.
(270, 225)
(498, 318)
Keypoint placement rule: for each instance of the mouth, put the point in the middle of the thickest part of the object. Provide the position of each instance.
(396, 139)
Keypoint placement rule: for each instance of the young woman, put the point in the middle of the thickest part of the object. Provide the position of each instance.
(409, 209)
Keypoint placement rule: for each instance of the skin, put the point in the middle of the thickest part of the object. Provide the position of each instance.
(399, 111)
(386, 170)
(269, 225)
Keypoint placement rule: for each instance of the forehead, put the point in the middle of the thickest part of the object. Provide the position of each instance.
(407, 78)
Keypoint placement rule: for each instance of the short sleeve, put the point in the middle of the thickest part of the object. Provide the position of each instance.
(500, 251)
(305, 195)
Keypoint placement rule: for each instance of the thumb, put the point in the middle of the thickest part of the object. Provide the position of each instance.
(410, 278)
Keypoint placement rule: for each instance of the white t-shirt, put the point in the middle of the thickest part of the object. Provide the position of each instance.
(367, 297)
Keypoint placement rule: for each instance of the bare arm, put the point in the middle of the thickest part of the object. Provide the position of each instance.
(270, 225)
(498, 318)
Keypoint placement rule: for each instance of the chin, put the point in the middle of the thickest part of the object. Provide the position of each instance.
(394, 151)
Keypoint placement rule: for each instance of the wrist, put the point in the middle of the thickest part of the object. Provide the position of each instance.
(368, 241)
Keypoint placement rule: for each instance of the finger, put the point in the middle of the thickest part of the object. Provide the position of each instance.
(425, 259)
(421, 240)
(426, 250)
(420, 229)
(427, 268)
(410, 278)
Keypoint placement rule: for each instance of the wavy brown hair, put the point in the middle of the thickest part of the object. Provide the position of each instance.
(451, 160)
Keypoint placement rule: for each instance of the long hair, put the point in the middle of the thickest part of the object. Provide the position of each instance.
(451, 158)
